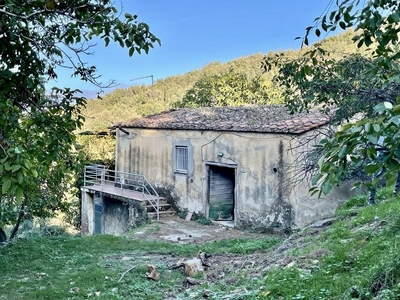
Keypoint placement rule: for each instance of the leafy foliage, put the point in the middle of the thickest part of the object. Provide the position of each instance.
(359, 144)
(348, 88)
(37, 130)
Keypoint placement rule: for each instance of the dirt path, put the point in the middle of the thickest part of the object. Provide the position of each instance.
(177, 230)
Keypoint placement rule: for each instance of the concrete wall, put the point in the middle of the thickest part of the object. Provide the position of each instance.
(262, 197)
(87, 212)
(119, 214)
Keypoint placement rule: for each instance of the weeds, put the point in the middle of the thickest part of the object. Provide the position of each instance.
(198, 217)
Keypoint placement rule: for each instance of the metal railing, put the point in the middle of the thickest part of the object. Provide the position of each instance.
(98, 175)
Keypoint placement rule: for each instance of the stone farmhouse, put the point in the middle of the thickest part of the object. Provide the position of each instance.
(231, 164)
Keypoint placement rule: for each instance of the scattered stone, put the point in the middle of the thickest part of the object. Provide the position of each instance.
(152, 273)
(291, 264)
(40, 275)
(203, 257)
(322, 223)
(74, 290)
(193, 281)
(284, 247)
(189, 216)
(176, 265)
(192, 266)
(206, 293)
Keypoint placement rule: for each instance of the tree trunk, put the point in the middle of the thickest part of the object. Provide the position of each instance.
(16, 227)
(3, 236)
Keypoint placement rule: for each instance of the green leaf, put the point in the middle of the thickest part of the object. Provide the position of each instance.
(383, 106)
(391, 178)
(326, 187)
(321, 161)
(372, 153)
(15, 168)
(395, 120)
(368, 41)
(347, 17)
(372, 168)
(131, 51)
(342, 152)
(367, 127)
(323, 141)
(372, 138)
(19, 193)
(356, 129)
(6, 186)
(20, 177)
(307, 70)
(315, 179)
(7, 166)
(314, 190)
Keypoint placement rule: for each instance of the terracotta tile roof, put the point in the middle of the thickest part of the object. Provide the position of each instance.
(267, 119)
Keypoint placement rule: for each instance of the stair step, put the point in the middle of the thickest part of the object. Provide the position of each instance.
(165, 213)
(161, 200)
(162, 207)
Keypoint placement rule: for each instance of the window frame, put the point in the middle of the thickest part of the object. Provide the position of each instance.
(181, 159)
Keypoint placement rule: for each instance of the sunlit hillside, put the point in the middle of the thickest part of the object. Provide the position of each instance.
(136, 101)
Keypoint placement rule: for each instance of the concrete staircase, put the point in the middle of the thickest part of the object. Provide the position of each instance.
(165, 209)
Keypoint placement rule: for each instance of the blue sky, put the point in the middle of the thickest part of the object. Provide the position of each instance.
(194, 33)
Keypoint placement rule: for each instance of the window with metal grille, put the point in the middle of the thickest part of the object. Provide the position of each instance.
(181, 159)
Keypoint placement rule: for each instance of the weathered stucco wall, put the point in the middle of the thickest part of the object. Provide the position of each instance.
(87, 209)
(118, 214)
(309, 208)
(261, 161)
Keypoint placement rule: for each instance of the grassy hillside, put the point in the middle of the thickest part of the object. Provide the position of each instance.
(357, 257)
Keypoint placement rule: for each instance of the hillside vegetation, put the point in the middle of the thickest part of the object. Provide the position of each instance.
(356, 257)
(137, 101)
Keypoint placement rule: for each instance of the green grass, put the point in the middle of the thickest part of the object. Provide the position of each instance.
(67, 267)
(361, 257)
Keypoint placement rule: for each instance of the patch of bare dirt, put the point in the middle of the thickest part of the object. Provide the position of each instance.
(177, 230)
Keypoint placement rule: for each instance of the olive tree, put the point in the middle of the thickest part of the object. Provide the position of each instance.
(363, 86)
(37, 37)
